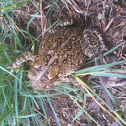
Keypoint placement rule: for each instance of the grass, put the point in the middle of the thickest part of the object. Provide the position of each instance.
(18, 103)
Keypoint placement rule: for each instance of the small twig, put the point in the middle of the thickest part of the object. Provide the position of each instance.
(41, 12)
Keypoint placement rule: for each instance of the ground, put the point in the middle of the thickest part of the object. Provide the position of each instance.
(66, 104)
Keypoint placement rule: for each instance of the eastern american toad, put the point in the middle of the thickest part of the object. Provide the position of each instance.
(61, 54)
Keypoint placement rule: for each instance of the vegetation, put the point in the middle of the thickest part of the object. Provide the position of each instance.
(20, 104)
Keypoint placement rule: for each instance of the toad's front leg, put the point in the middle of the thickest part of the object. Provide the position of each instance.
(21, 59)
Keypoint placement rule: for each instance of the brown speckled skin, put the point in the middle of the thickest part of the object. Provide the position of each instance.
(62, 54)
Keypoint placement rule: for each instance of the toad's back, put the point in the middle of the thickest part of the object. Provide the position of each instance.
(60, 54)
(64, 52)
(63, 49)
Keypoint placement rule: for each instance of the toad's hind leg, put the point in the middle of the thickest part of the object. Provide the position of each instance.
(93, 42)
(21, 59)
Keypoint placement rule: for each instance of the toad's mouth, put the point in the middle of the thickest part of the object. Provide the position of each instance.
(35, 75)
(40, 79)
(37, 79)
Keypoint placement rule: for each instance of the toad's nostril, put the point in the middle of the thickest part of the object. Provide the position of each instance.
(46, 75)
(39, 68)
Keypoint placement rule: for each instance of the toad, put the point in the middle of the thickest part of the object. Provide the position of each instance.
(60, 54)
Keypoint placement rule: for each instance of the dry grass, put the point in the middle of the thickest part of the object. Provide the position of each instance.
(23, 25)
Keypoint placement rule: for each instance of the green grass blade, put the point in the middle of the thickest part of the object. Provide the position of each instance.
(58, 123)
